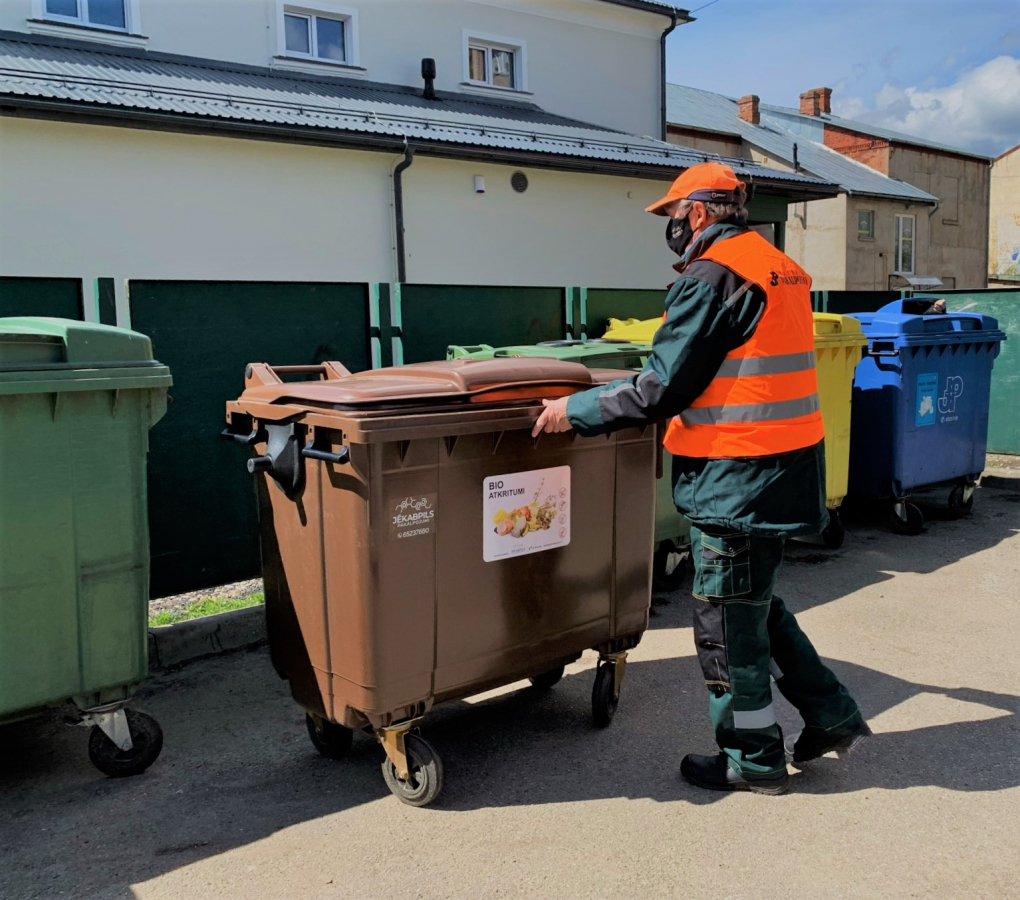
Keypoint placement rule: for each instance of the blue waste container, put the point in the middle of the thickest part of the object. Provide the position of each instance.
(919, 413)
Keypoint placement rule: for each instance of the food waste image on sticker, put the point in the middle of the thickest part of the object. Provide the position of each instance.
(525, 512)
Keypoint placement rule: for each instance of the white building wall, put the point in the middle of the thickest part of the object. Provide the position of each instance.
(566, 229)
(88, 201)
(587, 59)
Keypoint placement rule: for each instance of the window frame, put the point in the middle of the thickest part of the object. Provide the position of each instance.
(478, 40)
(311, 9)
(900, 218)
(870, 236)
(132, 18)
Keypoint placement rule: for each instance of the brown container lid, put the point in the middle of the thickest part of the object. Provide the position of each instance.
(456, 381)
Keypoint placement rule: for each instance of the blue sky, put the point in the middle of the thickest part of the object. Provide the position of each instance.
(948, 71)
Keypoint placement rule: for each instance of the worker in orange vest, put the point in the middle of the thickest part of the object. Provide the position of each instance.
(733, 369)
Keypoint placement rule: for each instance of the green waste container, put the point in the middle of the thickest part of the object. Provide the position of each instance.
(672, 530)
(76, 404)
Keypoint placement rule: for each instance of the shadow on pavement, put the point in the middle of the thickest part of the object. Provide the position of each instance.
(812, 575)
(238, 766)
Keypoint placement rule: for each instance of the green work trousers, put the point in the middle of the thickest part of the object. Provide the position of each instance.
(746, 638)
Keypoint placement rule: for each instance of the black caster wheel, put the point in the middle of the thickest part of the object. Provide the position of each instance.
(147, 738)
(914, 523)
(547, 679)
(604, 698)
(957, 505)
(425, 773)
(663, 583)
(331, 740)
(835, 531)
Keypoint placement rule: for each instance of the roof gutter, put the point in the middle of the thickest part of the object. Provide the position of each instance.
(71, 111)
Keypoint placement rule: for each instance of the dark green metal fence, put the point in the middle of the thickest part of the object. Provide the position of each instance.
(59, 297)
(203, 518)
(202, 514)
(428, 318)
(1004, 414)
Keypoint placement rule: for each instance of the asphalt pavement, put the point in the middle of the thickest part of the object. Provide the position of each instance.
(925, 630)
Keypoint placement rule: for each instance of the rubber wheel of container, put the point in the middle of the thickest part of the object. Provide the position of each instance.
(835, 531)
(604, 699)
(147, 738)
(661, 582)
(957, 506)
(425, 771)
(914, 524)
(547, 679)
(331, 740)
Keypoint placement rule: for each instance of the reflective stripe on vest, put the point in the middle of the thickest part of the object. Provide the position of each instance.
(751, 412)
(764, 397)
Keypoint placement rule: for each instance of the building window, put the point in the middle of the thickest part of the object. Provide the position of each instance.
(494, 62)
(115, 15)
(905, 244)
(865, 225)
(320, 32)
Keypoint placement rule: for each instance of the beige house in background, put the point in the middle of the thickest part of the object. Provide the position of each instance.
(909, 213)
(1004, 221)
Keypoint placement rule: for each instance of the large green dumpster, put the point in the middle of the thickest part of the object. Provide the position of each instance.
(76, 404)
(672, 530)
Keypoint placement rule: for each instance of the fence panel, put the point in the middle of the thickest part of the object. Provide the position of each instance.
(60, 297)
(431, 317)
(202, 513)
(606, 303)
(1004, 305)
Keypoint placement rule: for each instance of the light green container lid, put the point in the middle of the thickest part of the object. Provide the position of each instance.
(40, 355)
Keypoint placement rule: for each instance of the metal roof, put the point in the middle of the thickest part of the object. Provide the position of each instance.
(69, 76)
(653, 6)
(707, 111)
(873, 130)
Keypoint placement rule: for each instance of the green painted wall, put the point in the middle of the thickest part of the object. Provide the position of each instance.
(202, 513)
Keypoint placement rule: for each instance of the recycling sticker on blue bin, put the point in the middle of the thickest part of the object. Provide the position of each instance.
(927, 388)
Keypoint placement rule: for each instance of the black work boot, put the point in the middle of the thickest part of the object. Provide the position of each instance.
(812, 743)
(715, 774)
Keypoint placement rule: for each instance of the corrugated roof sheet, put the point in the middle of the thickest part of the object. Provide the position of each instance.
(864, 128)
(669, 7)
(694, 108)
(62, 71)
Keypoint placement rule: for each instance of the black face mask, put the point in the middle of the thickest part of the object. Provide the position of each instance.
(678, 235)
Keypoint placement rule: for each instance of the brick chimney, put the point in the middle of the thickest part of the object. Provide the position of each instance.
(747, 109)
(816, 101)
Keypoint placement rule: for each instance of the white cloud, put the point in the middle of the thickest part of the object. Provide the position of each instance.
(980, 112)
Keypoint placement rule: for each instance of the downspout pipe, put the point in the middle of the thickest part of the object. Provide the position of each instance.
(662, 63)
(398, 209)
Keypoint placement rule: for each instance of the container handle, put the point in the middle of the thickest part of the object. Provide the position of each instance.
(247, 439)
(313, 452)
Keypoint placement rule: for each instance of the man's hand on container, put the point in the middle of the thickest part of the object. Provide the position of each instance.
(553, 418)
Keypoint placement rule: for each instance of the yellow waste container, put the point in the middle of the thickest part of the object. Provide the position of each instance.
(839, 344)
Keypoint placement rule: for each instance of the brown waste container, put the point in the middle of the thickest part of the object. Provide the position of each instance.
(418, 545)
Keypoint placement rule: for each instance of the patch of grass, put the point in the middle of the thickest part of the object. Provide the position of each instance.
(209, 606)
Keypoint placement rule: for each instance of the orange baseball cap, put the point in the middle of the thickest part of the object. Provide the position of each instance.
(708, 182)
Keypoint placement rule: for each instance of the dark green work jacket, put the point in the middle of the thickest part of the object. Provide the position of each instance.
(771, 495)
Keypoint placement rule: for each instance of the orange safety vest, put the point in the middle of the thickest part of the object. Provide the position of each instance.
(764, 398)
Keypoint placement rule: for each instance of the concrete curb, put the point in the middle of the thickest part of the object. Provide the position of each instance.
(172, 645)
